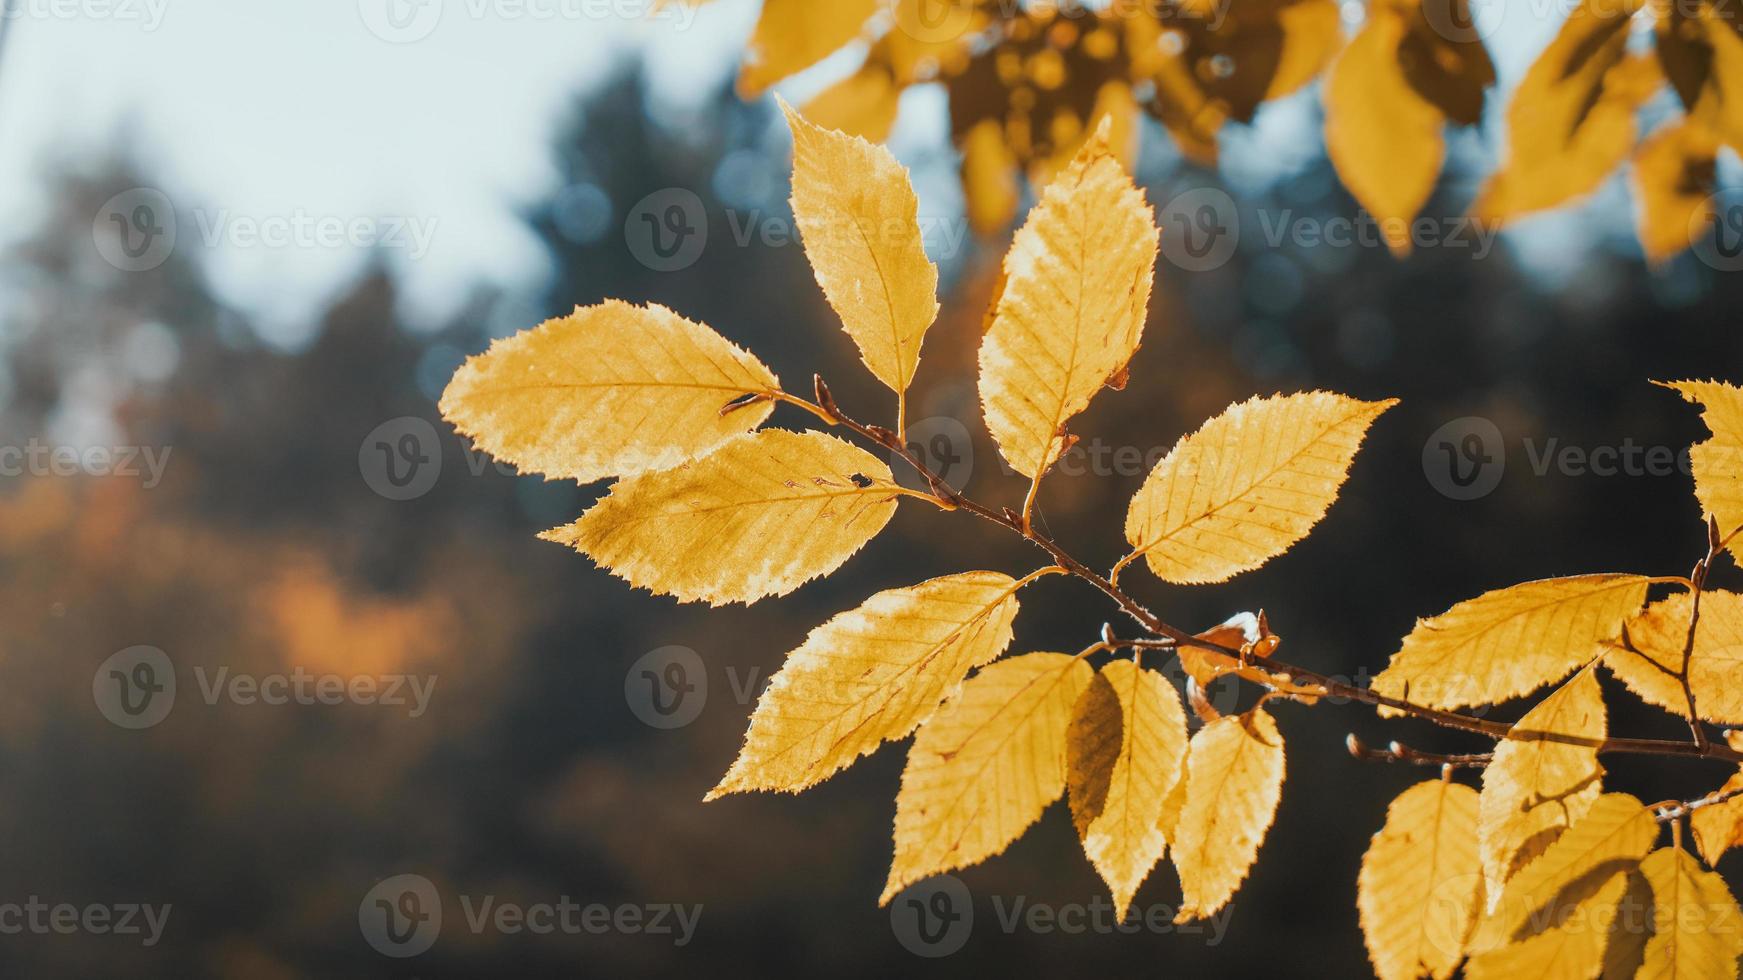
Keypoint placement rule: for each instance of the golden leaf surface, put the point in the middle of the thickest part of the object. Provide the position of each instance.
(1612, 837)
(609, 390)
(1700, 44)
(1510, 642)
(1651, 659)
(1697, 930)
(1385, 139)
(1077, 288)
(1125, 753)
(1570, 949)
(1718, 462)
(793, 35)
(1233, 784)
(1719, 826)
(859, 220)
(870, 675)
(1537, 785)
(1248, 485)
(760, 516)
(985, 766)
(1675, 174)
(1571, 120)
(1421, 884)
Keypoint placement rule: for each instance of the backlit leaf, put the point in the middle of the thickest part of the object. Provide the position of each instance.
(1384, 137)
(1719, 827)
(1077, 287)
(1609, 840)
(1126, 753)
(761, 516)
(859, 220)
(1538, 785)
(1718, 462)
(1652, 657)
(1510, 642)
(870, 675)
(1675, 171)
(609, 390)
(1234, 781)
(984, 767)
(1697, 930)
(1421, 884)
(1248, 485)
(1571, 120)
(1572, 946)
(793, 35)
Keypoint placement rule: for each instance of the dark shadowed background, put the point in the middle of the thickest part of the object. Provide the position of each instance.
(270, 543)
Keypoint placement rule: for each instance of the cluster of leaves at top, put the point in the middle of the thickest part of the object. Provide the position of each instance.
(1024, 79)
(710, 506)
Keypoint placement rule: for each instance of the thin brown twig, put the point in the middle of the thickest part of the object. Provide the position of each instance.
(1399, 752)
(1261, 670)
(1673, 810)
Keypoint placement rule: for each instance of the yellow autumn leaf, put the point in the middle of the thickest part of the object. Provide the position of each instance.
(985, 765)
(1650, 662)
(573, 397)
(793, 35)
(859, 220)
(1233, 783)
(863, 104)
(1718, 462)
(1719, 827)
(1675, 174)
(1700, 43)
(1125, 754)
(760, 516)
(1077, 288)
(870, 675)
(1248, 485)
(1539, 785)
(1572, 947)
(1571, 120)
(1421, 885)
(989, 177)
(1613, 835)
(1510, 642)
(1697, 930)
(1384, 137)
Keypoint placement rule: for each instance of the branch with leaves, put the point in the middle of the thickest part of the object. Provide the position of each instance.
(709, 506)
(1026, 80)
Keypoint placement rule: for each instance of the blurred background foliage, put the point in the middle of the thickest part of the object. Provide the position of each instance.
(530, 777)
